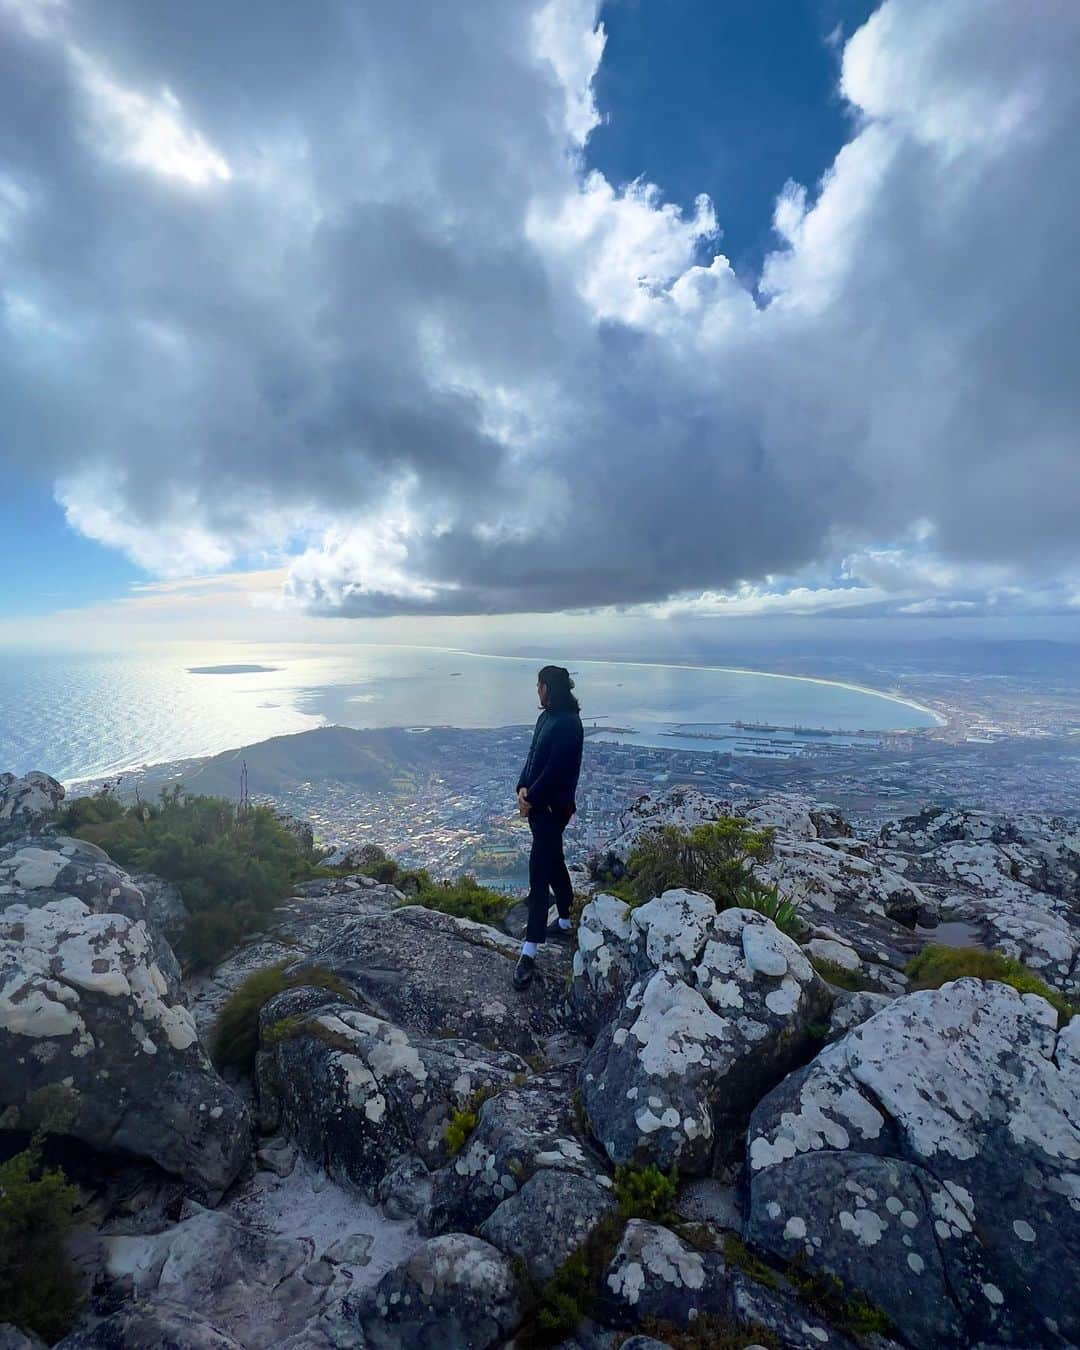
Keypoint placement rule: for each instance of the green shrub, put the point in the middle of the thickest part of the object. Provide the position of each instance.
(935, 966)
(231, 866)
(235, 1037)
(767, 900)
(646, 1192)
(717, 858)
(99, 809)
(464, 898)
(38, 1287)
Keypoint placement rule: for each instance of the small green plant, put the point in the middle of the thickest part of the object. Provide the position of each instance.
(717, 858)
(739, 1254)
(767, 900)
(935, 966)
(464, 898)
(571, 1294)
(464, 1120)
(839, 975)
(646, 1192)
(848, 1311)
(38, 1287)
(235, 1037)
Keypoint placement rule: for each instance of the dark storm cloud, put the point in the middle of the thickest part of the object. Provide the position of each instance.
(329, 278)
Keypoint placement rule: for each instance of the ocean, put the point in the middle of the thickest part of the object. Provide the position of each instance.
(84, 715)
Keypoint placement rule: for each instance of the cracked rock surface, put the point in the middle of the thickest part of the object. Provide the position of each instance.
(931, 1158)
(720, 1010)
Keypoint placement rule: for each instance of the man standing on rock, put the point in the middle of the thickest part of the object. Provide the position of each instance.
(545, 792)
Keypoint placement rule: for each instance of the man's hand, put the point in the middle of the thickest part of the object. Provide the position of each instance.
(524, 805)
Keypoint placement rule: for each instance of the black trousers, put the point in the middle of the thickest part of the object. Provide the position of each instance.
(547, 870)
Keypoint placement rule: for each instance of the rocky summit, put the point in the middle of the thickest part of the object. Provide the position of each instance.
(692, 1129)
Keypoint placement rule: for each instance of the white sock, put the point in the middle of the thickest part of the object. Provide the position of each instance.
(563, 923)
(528, 949)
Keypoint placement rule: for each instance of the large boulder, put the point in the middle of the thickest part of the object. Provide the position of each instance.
(520, 1132)
(548, 1220)
(656, 1276)
(437, 975)
(35, 870)
(27, 802)
(456, 1292)
(357, 1092)
(723, 1007)
(602, 969)
(91, 1024)
(929, 1159)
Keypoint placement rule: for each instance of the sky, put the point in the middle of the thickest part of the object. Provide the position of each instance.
(354, 319)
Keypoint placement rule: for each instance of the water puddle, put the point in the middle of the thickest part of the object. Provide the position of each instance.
(951, 934)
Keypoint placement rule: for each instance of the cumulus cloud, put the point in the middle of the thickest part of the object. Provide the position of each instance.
(333, 284)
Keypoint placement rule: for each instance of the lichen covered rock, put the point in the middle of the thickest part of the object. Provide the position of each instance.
(721, 1011)
(27, 801)
(931, 1159)
(87, 1015)
(548, 1219)
(520, 1132)
(456, 1292)
(431, 974)
(357, 1092)
(654, 1274)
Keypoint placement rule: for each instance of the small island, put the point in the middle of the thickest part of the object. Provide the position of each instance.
(230, 670)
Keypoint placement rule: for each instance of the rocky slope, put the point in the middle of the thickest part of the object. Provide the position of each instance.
(921, 1147)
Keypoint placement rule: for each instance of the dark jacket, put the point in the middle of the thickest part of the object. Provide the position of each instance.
(550, 775)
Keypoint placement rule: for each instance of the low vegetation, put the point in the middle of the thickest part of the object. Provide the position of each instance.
(935, 966)
(646, 1192)
(235, 1037)
(846, 1311)
(840, 976)
(767, 900)
(463, 897)
(464, 1120)
(39, 1290)
(232, 866)
(717, 858)
(570, 1296)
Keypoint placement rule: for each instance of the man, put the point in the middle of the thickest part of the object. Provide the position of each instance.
(546, 791)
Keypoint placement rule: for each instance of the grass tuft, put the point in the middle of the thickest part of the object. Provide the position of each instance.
(935, 966)
(235, 1037)
(646, 1193)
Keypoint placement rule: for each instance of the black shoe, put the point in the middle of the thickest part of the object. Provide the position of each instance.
(523, 972)
(557, 933)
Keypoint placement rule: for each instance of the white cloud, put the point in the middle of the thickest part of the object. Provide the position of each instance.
(150, 133)
(412, 343)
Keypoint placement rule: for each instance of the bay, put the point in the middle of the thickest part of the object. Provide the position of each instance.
(84, 714)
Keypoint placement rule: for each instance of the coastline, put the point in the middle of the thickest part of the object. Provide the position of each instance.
(939, 719)
(140, 765)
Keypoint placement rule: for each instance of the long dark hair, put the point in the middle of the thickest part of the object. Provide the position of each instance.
(559, 687)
